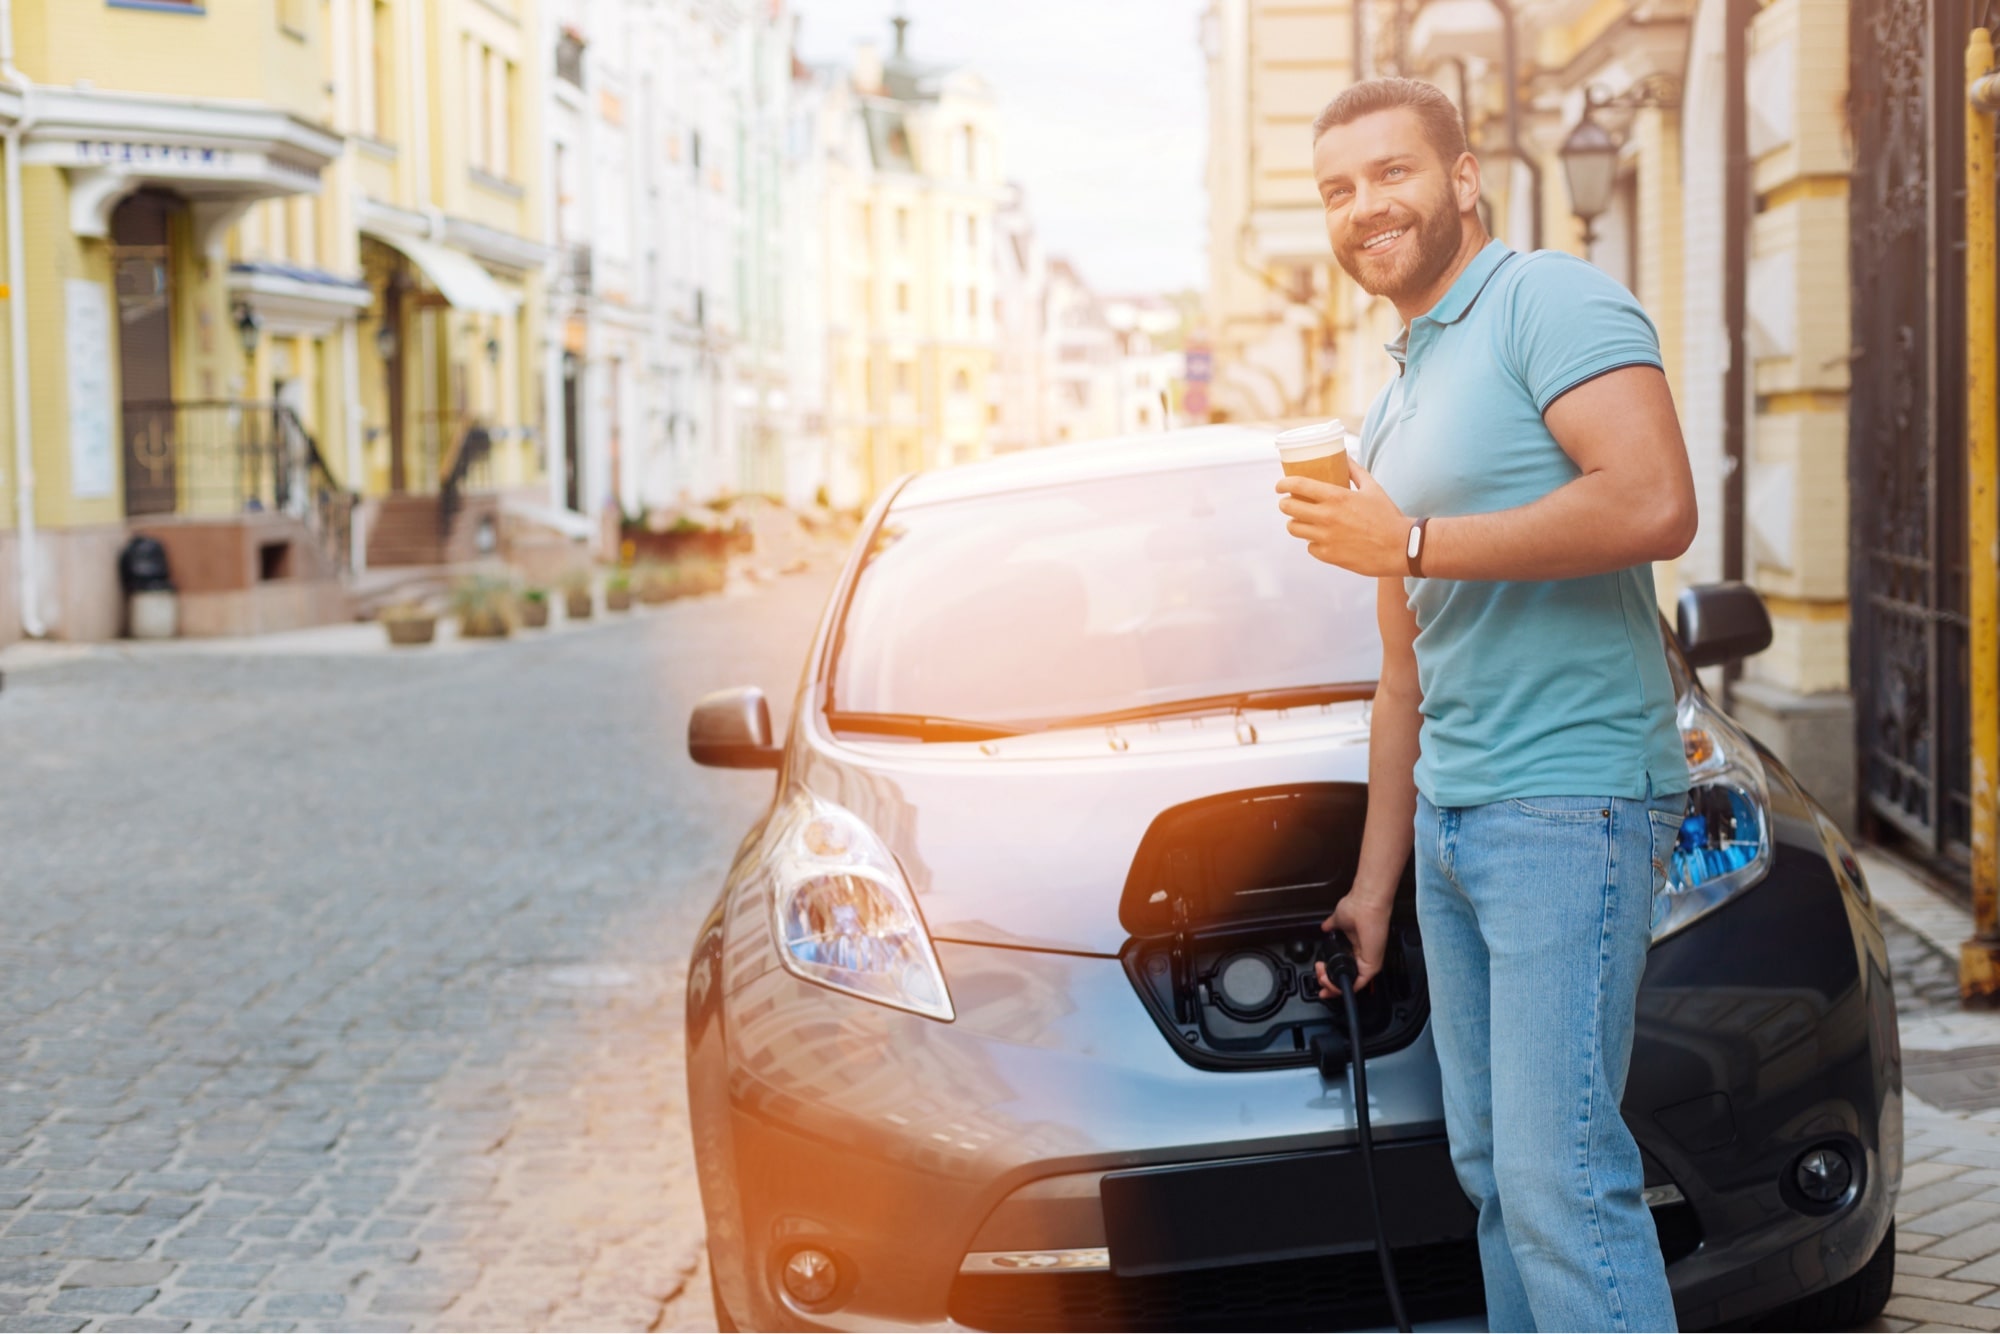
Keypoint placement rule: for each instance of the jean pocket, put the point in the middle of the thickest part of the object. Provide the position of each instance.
(1571, 810)
(1666, 831)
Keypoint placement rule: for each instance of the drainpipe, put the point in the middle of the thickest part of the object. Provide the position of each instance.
(1736, 205)
(1979, 957)
(32, 624)
(1510, 56)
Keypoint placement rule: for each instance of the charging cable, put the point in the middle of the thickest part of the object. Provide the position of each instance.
(1341, 969)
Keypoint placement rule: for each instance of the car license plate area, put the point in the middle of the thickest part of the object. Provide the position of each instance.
(1279, 1207)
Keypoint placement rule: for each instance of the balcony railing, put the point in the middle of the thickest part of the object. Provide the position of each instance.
(222, 457)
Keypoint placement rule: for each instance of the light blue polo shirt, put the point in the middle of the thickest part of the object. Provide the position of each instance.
(1555, 688)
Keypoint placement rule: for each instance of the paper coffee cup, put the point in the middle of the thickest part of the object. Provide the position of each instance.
(1318, 451)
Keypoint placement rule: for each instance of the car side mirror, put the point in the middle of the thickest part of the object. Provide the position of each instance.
(1719, 623)
(731, 729)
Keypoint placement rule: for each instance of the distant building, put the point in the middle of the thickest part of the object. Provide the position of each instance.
(912, 182)
(1082, 358)
(1021, 282)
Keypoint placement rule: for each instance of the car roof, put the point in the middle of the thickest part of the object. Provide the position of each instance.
(1121, 456)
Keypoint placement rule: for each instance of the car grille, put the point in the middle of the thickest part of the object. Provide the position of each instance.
(1324, 1292)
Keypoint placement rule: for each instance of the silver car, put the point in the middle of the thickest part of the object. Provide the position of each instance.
(1002, 1018)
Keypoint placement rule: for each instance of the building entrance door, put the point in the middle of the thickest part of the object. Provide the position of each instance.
(572, 414)
(1906, 463)
(142, 271)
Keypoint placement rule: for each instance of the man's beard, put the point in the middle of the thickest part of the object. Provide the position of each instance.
(1436, 240)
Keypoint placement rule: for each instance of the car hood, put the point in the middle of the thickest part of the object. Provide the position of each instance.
(1027, 841)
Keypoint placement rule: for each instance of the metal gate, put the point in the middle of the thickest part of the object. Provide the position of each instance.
(1906, 464)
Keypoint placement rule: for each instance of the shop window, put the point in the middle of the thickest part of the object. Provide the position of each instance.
(902, 298)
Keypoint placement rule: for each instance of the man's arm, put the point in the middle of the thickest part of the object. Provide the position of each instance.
(1633, 504)
(1392, 789)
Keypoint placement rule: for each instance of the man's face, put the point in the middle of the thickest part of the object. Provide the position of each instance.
(1391, 207)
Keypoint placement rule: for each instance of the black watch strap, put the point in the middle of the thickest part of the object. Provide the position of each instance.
(1414, 552)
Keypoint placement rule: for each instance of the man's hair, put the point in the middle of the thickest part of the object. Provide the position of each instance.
(1434, 110)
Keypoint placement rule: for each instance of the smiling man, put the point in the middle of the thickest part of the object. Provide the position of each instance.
(1520, 472)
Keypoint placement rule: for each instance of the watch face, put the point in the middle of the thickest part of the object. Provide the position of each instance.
(1416, 541)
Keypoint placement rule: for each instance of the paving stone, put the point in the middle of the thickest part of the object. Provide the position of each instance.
(14, 1199)
(304, 1305)
(224, 1276)
(1954, 1219)
(30, 1273)
(130, 1203)
(1971, 1244)
(1926, 1265)
(142, 1326)
(113, 1274)
(102, 1301)
(1932, 1313)
(43, 1324)
(1940, 1289)
(207, 1305)
(184, 1247)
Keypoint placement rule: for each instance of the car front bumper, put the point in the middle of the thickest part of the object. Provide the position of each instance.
(902, 1146)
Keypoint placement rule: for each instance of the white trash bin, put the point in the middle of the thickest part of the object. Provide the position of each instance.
(155, 615)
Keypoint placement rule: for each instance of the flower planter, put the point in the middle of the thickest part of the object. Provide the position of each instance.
(483, 625)
(578, 606)
(617, 599)
(409, 630)
(534, 613)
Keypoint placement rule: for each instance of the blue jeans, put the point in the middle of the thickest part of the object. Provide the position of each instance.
(1536, 916)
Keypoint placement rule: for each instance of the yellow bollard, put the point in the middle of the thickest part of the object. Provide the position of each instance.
(1979, 957)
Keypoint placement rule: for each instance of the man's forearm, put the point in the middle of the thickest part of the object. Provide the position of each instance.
(1565, 535)
(1392, 791)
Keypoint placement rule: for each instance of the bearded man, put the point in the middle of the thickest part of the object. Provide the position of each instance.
(1520, 472)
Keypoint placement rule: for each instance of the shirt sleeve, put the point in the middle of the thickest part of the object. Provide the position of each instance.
(1570, 322)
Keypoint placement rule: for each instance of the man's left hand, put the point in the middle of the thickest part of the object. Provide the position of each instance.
(1359, 530)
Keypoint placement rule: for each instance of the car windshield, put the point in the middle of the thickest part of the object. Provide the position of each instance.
(1031, 608)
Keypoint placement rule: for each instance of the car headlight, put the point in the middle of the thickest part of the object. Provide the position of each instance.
(844, 914)
(1725, 843)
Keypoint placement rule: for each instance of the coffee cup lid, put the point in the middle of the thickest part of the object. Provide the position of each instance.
(1318, 435)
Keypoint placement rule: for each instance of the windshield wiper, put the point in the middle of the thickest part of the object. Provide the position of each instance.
(1291, 697)
(918, 726)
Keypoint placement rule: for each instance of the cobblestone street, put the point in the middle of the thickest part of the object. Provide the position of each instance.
(344, 990)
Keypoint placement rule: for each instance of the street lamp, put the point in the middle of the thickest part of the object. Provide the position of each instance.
(385, 339)
(249, 328)
(1590, 164)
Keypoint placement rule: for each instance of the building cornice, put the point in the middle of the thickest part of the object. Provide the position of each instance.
(222, 156)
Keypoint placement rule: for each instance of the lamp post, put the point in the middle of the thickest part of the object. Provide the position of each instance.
(249, 330)
(1590, 165)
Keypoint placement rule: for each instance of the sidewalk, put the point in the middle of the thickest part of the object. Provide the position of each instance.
(1948, 1218)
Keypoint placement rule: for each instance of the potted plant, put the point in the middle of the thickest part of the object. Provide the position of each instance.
(533, 607)
(656, 581)
(577, 605)
(485, 607)
(408, 623)
(618, 590)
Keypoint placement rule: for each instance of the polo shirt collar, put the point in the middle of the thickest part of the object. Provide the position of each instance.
(1453, 305)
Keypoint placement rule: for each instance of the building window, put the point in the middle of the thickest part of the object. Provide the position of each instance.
(293, 15)
(903, 228)
(972, 303)
(902, 298)
(569, 57)
(902, 377)
(972, 232)
(971, 153)
(378, 109)
(861, 299)
(961, 383)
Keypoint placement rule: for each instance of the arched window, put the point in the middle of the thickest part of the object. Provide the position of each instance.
(961, 383)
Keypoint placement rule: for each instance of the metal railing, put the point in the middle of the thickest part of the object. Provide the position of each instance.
(228, 457)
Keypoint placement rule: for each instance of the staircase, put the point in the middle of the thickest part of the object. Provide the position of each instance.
(405, 530)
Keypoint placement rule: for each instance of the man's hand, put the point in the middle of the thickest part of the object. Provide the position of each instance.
(1365, 919)
(1359, 530)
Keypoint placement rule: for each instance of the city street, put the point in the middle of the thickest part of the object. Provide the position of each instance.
(341, 988)
(344, 990)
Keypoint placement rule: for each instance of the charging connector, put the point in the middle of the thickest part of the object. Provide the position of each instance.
(1341, 969)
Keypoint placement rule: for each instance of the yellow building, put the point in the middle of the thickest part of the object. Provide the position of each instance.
(1281, 315)
(912, 184)
(219, 210)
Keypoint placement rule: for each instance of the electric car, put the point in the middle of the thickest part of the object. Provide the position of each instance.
(1002, 1019)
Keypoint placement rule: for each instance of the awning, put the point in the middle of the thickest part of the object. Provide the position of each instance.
(459, 277)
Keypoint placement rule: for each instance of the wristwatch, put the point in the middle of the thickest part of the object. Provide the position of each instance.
(1415, 551)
